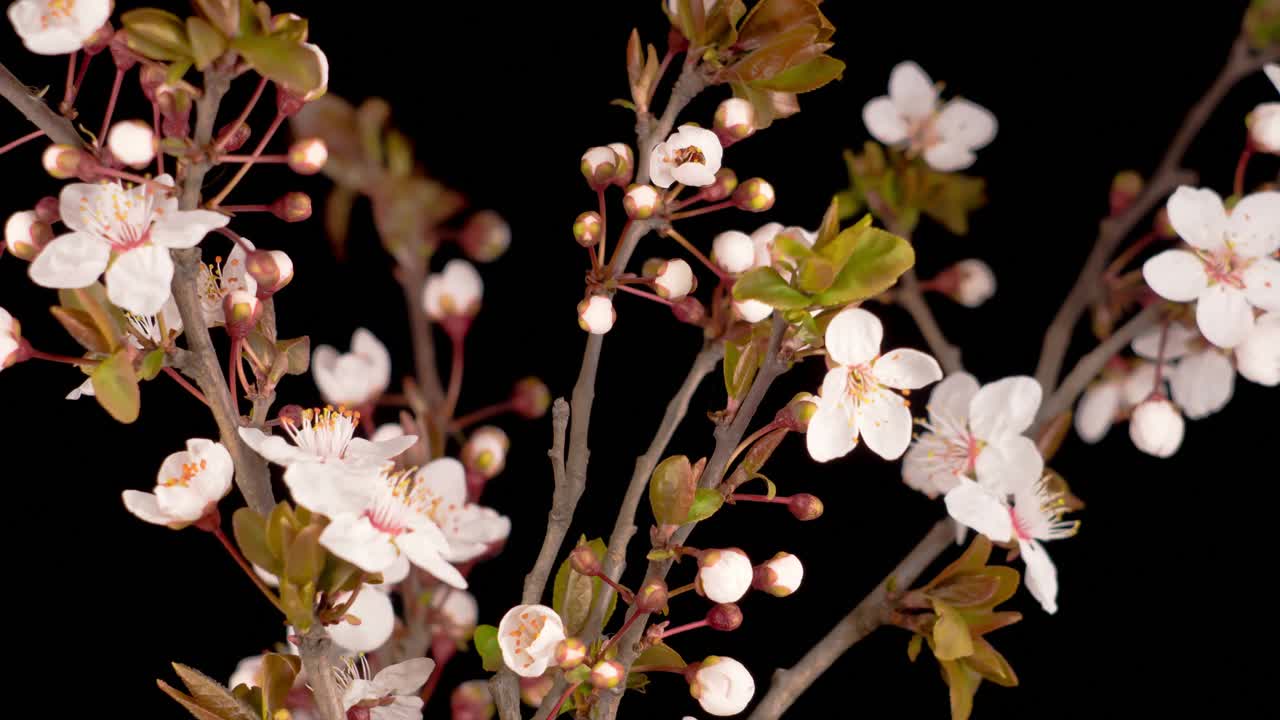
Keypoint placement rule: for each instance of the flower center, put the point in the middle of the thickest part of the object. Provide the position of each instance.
(922, 133)
(527, 632)
(400, 502)
(189, 472)
(862, 382)
(324, 432)
(1225, 266)
(691, 154)
(56, 12)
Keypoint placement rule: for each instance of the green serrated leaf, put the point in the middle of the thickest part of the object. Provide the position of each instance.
(282, 60)
(485, 639)
(249, 529)
(115, 385)
(212, 695)
(767, 286)
(876, 262)
(705, 504)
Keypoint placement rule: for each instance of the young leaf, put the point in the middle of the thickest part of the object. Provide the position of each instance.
(951, 640)
(305, 558)
(966, 590)
(660, 655)
(115, 385)
(913, 647)
(156, 34)
(990, 664)
(81, 327)
(278, 672)
(804, 77)
(298, 350)
(207, 42)
(671, 490)
(963, 683)
(223, 14)
(211, 695)
(249, 529)
(281, 60)
(152, 364)
(486, 642)
(185, 701)
(878, 259)
(767, 286)
(705, 504)
(574, 594)
(974, 558)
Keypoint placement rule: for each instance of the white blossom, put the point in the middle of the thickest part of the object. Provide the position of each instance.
(1156, 427)
(596, 314)
(132, 142)
(1099, 406)
(190, 483)
(1202, 382)
(1227, 271)
(324, 435)
(909, 116)
(733, 251)
(458, 609)
(724, 576)
(455, 292)
(723, 686)
(356, 378)
(528, 636)
(691, 156)
(975, 282)
(58, 27)
(10, 335)
(392, 694)
(216, 283)
(857, 397)
(377, 619)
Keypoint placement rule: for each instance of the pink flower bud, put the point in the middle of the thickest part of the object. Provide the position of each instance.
(472, 701)
(724, 617)
(583, 560)
(675, 279)
(652, 596)
(726, 182)
(533, 690)
(626, 167)
(292, 207)
(600, 166)
(233, 136)
(151, 77)
(175, 111)
(735, 120)
(805, 507)
(641, 201)
(586, 229)
(485, 237)
(530, 398)
(25, 235)
(456, 291)
(47, 210)
(571, 653)
(272, 269)
(724, 576)
(689, 310)
(1125, 188)
(780, 576)
(308, 156)
(485, 451)
(132, 142)
(1156, 428)
(596, 314)
(969, 282)
(754, 195)
(65, 162)
(607, 674)
(241, 309)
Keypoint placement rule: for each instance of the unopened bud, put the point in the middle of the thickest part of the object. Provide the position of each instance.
(607, 674)
(151, 77)
(1264, 127)
(1156, 428)
(292, 207)
(233, 137)
(726, 182)
(272, 269)
(969, 282)
(530, 398)
(626, 167)
(533, 690)
(123, 57)
(132, 142)
(240, 309)
(805, 506)
(25, 235)
(652, 596)
(291, 415)
(689, 310)
(1125, 188)
(675, 279)
(47, 210)
(570, 653)
(724, 617)
(485, 237)
(485, 451)
(651, 267)
(583, 560)
(600, 166)
(724, 575)
(780, 576)
(586, 229)
(735, 120)
(733, 252)
(65, 162)
(472, 700)
(641, 201)
(596, 314)
(754, 195)
(288, 103)
(308, 156)
(797, 414)
(175, 111)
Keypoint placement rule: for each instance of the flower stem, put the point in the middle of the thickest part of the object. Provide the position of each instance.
(188, 386)
(244, 115)
(25, 138)
(671, 233)
(67, 359)
(682, 628)
(645, 295)
(621, 631)
(231, 371)
(627, 596)
(111, 105)
(244, 565)
(555, 709)
(759, 498)
(483, 413)
(1164, 338)
(702, 210)
(1242, 166)
(455, 374)
(742, 446)
(604, 226)
(1130, 253)
(681, 590)
(253, 158)
(155, 126)
(244, 169)
(67, 94)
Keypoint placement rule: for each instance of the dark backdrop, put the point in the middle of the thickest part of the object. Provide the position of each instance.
(502, 98)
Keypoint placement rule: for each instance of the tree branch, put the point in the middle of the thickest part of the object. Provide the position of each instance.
(1114, 229)
(869, 614)
(911, 298)
(413, 277)
(315, 648)
(58, 128)
(563, 500)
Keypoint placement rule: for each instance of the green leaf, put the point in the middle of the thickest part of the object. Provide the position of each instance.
(850, 203)
(951, 639)
(152, 364)
(81, 327)
(283, 61)
(815, 274)
(211, 695)
(660, 554)
(990, 664)
(981, 624)
(338, 575)
(660, 655)
(950, 198)
(115, 385)
(222, 14)
(740, 366)
(767, 286)
(249, 529)
(573, 594)
(250, 21)
(305, 558)
(1008, 580)
(963, 683)
(671, 490)
(93, 300)
(157, 34)
(278, 672)
(877, 261)
(790, 48)
(974, 558)
(838, 245)
(486, 642)
(966, 590)
(913, 647)
(185, 701)
(768, 18)
(207, 43)
(290, 27)
(282, 527)
(705, 504)
(298, 604)
(804, 77)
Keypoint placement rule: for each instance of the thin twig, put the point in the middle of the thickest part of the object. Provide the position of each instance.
(58, 128)
(564, 498)
(911, 298)
(869, 614)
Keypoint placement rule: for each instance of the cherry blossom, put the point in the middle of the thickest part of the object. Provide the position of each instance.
(724, 576)
(189, 485)
(909, 116)
(723, 686)
(392, 694)
(1156, 427)
(857, 397)
(356, 378)
(691, 157)
(58, 27)
(375, 617)
(454, 292)
(528, 636)
(324, 435)
(1227, 270)
(216, 282)
(126, 233)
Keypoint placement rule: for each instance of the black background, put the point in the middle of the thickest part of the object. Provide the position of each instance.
(501, 99)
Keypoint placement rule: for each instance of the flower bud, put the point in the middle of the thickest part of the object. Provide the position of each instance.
(780, 576)
(600, 166)
(455, 292)
(675, 279)
(472, 701)
(652, 596)
(132, 142)
(239, 135)
(530, 398)
(754, 195)
(724, 617)
(641, 201)
(726, 182)
(626, 166)
(272, 269)
(752, 311)
(121, 55)
(291, 415)
(586, 229)
(724, 576)
(723, 686)
(1264, 128)
(292, 207)
(485, 237)
(735, 120)
(733, 251)
(1156, 427)
(13, 349)
(1125, 188)
(570, 653)
(100, 39)
(485, 452)
(651, 267)
(533, 690)
(65, 162)
(689, 310)
(308, 156)
(241, 309)
(969, 282)
(175, 111)
(805, 507)
(47, 210)
(583, 560)
(596, 314)
(25, 235)
(796, 415)
(607, 674)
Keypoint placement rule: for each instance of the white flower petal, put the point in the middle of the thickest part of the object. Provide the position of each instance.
(1009, 465)
(185, 228)
(381, 449)
(912, 90)
(693, 174)
(74, 260)
(446, 478)
(949, 156)
(832, 432)
(1097, 411)
(425, 551)
(884, 121)
(884, 421)
(273, 447)
(138, 280)
(1254, 225)
(1041, 576)
(1262, 284)
(967, 124)
(971, 505)
(906, 369)
(331, 489)
(854, 336)
(1258, 357)
(144, 505)
(1202, 383)
(1178, 341)
(1198, 217)
(405, 678)
(1176, 275)
(354, 539)
(1004, 406)
(1224, 316)
(950, 398)
(377, 620)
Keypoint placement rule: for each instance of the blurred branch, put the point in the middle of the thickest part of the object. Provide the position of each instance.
(413, 278)
(911, 298)
(58, 128)
(869, 614)
(1168, 175)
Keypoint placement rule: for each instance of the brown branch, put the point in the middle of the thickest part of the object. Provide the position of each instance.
(413, 277)
(1113, 230)
(57, 127)
(316, 650)
(911, 298)
(869, 614)
(563, 500)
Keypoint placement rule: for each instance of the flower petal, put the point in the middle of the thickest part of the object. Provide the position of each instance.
(1041, 575)
(693, 174)
(381, 449)
(185, 228)
(854, 336)
(906, 369)
(405, 678)
(138, 280)
(1178, 341)
(1258, 357)
(1224, 316)
(446, 478)
(331, 489)
(74, 260)
(1004, 407)
(1254, 225)
(1198, 217)
(949, 156)
(884, 421)
(1203, 383)
(950, 398)
(832, 432)
(354, 539)
(912, 90)
(884, 121)
(1262, 284)
(144, 505)
(973, 506)
(377, 620)
(274, 448)
(425, 552)
(1097, 411)
(1176, 275)
(967, 124)
(216, 468)
(1009, 465)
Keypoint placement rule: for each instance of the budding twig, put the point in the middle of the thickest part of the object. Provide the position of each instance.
(58, 128)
